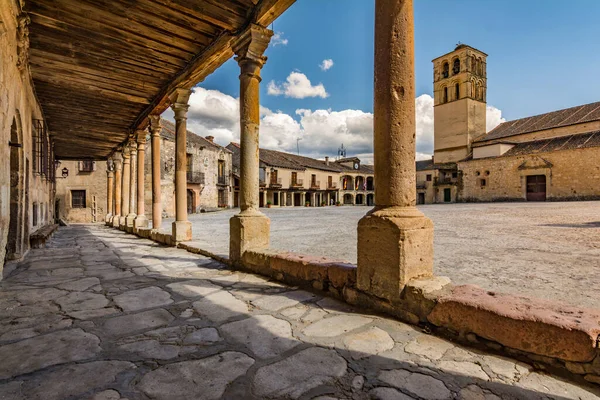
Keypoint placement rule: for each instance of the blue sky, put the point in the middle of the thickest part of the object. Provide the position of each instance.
(543, 54)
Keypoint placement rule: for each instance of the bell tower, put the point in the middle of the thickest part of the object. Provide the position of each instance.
(459, 98)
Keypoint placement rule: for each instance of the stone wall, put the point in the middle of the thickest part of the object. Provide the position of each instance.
(204, 160)
(570, 175)
(94, 184)
(18, 107)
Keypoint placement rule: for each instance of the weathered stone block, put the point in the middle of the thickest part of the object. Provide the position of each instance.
(420, 295)
(248, 232)
(182, 231)
(140, 222)
(393, 250)
(305, 268)
(534, 326)
(340, 275)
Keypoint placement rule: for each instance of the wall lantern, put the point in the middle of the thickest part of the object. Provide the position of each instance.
(272, 169)
(65, 172)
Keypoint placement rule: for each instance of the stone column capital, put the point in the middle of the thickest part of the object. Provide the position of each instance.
(179, 102)
(155, 126)
(110, 166)
(251, 44)
(126, 153)
(140, 136)
(132, 145)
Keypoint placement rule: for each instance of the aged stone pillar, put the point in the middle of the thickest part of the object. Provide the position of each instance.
(182, 228)
(155, 129)
(395, 240)
(109, 190)
(132, 183)
(125, 191)
(140, 220)
(250, 228)
(118, 162)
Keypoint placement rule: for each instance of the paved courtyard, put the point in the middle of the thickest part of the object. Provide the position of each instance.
(545, 250)
(103, 315)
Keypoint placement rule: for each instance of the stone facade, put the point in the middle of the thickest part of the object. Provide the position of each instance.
(88, 177)
(551, 156)
(26, 187)
(289, 180)
(208, 190)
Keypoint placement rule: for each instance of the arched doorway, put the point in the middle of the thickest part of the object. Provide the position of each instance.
(347, 183)
(15, 229)
(370, 185)
(348, 199)
(191, 202)
(360, 199)
(370, 199)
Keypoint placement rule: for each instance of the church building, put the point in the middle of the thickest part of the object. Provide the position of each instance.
(553, 156)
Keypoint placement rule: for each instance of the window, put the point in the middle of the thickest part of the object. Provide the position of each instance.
(428, 177)
(273, 176)
(35, 214)
(313, 180)
(86, 166)
(445, 98)
(456, 67)
(457, 91)
(221, 172)
(455, 175)
(188, 162)
(78, 198)
(446, 70)
(482, 183)
(294, 178)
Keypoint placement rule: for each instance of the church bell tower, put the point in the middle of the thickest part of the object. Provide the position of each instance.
(459, 86)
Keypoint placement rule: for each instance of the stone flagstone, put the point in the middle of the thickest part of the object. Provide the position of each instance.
(141, 299)
(199, 379)
(336, 325)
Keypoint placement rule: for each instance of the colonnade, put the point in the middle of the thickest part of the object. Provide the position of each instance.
(395, 240)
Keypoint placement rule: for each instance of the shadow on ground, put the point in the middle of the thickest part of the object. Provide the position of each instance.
(100, 314)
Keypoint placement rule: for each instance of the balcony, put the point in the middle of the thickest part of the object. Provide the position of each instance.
(275, 183)
(262, 183)
(315, 185)
(422, 185)
(445, 180)
(195, 177)
(331, 185)
(297, 184)
(223, 180)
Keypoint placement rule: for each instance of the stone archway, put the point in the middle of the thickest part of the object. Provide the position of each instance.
(14, 245)
(348, 199)
(360, 199)
(370, 200)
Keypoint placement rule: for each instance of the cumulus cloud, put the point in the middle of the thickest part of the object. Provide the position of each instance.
(326, 64)
(297, 86)
(278, 39)
(322, 131)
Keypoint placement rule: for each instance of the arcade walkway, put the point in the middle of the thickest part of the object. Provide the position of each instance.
(100, 314)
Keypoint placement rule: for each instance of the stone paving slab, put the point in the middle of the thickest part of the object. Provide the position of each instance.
(140, 321)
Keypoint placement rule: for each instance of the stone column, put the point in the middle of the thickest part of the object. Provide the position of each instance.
(293, 200)
(132, 183)
(109, 190)
(140, 220)
(181, 228)
(125, 191)
(395, 240)
(118, 162)
(155, 129)
(250, 228)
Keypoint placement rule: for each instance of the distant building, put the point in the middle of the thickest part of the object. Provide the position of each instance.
(552, 156)
(288, 180)
(81, 185)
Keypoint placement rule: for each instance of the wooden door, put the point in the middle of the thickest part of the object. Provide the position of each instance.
(447, 195)
(536, 188)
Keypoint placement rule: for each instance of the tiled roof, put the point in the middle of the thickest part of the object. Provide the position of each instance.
(281, 159)
(580, 141)
(168, 132)
(426, 165)
(556, 119)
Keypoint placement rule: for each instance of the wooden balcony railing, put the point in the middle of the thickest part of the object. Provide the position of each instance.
(297, 183)
(315, 184)
(195, 177)
(275, 183)
(331, 185)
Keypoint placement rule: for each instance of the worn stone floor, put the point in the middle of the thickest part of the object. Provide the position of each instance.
(100, 314)
(544, 250)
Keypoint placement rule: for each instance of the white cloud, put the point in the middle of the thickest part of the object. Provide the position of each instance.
(322, 131)
(326, 64)
(278, 39)
(297, 86)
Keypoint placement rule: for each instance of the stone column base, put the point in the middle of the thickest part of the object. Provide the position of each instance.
(129, 220)
(122, 222)
(140, 222)
(108, 219)
(248, 231)
(116, 220)
(395, 245)
(182, 231)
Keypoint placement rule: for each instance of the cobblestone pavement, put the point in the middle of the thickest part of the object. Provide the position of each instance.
(100, 314)
(545, 250)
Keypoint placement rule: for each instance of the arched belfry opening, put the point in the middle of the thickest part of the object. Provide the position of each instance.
(14, 245)
(456, 66)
